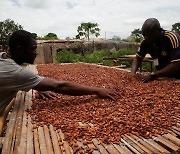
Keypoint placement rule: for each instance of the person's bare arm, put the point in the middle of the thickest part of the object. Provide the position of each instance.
(168, 71)
(68, 88)
(136, 64)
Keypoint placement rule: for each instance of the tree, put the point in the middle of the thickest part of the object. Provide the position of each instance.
(7, 27)
(49, 36)
(116, 38)
(137, 35)
(176, 27)
(85, 29)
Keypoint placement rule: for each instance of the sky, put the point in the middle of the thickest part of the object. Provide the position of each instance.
(114, 17)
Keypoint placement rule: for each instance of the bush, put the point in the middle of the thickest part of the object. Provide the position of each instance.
(66, 56)
(122, 52)
(96, 56)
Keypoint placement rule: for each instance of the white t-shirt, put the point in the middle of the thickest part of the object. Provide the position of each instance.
(13, 78)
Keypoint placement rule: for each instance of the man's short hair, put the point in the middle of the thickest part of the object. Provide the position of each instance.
(19, 38)
(150, 25)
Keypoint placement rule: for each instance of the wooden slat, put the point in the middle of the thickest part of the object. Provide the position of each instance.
(30, 145)
(157, 146)
(126, 149)
(22, 146)
(42, 141)
(175, 131)
(56, 147)
(154, 149)
(121, 149)
(130, 146)
(176, 128)
(99, 146)
(172, 138)
(60, 142)
(48, 140)
(18, 125)
(110, 148)
(10, 127)
(29, 99)
(67, 148)
(172, 133)
(91, 145)
(36, 142)
(138, 144)
(167, 143)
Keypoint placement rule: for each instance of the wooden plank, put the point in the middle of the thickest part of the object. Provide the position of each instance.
(172, 133)
(91, 145)
(80, 147)
(48, 140)
(146, 150)
(175, 131)
(30, 145)
(42, 141)
(22, 147)
(36, 142)
(18, 125)
(67, 148)
(29, 99)
(129, 145)
(56, 147)
(120, 148)
(157, 146)
(95, 144)
(167, 143)
(152, 147)
(172, 138)
(99, 146)
(176, 128)
(10, 129)
(60, 143)
(126, 149)
(110, 148)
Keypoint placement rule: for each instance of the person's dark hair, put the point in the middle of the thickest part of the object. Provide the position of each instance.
(150, 25)
(19, 38)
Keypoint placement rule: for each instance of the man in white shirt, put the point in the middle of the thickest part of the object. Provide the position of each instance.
(13, 77)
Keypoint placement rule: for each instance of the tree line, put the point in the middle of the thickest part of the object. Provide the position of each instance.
(84, 30)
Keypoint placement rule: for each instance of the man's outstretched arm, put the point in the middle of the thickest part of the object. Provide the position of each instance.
(69, 88)
(168, 71)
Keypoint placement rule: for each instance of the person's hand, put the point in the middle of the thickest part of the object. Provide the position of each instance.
(45, 94)
(136, 75)
(106, 93)
(133, 74)
(148, 78)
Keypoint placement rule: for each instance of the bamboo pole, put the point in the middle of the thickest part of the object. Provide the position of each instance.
(5, 114)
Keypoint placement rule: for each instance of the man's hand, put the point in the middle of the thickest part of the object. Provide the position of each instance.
(45, 94)
(148, 78)
(106, 93)
(136, 75)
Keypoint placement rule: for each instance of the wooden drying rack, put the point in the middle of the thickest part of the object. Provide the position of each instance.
(22, 138)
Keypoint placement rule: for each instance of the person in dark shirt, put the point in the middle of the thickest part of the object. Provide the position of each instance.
(163, 46)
